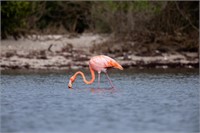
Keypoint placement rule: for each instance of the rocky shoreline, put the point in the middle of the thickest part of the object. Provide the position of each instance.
(74, 52)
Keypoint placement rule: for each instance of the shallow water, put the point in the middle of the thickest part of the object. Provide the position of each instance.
(143, 101)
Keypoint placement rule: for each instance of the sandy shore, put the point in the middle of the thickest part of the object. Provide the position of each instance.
(73, 52)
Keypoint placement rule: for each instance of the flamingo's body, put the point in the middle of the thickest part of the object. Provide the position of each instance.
(100, 64)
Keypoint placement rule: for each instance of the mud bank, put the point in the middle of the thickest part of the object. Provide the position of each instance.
(73, 52)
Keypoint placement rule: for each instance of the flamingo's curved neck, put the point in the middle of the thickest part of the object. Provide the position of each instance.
(84, 79)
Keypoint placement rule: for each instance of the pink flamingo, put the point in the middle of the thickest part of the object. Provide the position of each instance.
(100, 64)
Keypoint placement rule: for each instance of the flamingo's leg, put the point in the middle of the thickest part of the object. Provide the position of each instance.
(99, 77)
(109, 80)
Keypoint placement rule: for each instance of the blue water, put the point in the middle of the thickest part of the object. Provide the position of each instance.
(143, 101)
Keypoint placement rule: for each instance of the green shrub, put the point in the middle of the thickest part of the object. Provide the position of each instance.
(13, 17)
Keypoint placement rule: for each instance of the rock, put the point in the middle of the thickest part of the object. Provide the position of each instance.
(63, 53)
(115, 48)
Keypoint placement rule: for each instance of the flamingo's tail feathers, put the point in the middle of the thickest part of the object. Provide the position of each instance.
(115, 65)
(118, 66)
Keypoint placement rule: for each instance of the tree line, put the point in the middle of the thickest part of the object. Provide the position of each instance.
(20, 18)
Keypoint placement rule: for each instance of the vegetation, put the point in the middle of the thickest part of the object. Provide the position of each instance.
(127, 17)
(13, 16)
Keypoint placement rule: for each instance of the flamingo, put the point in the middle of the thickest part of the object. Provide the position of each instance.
(100, 64)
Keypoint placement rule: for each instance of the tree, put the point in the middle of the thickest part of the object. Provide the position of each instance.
(13, 15)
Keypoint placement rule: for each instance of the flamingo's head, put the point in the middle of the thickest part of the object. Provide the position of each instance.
(71, 80)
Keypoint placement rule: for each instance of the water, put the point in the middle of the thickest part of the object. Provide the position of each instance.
(144, 101)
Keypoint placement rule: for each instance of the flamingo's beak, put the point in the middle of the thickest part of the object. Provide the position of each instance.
(70, 84)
